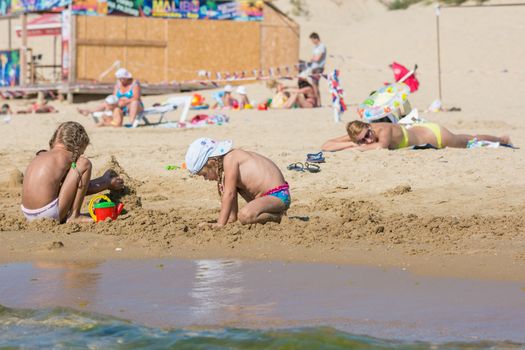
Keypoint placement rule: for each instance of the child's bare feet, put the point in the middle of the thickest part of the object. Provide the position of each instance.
(82, 218)
(505, 139)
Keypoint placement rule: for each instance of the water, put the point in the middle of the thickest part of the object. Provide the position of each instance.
(66, 328)
(230, 304)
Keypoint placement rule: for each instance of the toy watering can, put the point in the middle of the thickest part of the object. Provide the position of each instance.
(103, 210)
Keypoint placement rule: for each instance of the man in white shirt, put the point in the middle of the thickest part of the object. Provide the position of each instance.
(318, 59)
(317, 62)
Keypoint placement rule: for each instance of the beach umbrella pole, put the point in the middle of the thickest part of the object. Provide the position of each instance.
(438, 13)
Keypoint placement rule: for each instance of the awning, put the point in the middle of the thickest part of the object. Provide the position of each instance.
(46, 24)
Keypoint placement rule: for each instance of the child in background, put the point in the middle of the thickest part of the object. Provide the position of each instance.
(6, 109)
(56, 181)
(281, 95)
(256, 178)
(104, 110)
(244, 102)
(224, 98)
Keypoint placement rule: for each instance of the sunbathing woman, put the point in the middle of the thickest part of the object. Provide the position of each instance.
(363, 136)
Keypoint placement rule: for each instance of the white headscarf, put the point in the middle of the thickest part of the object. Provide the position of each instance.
(202, 149)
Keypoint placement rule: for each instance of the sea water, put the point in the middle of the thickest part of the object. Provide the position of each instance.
(230, 304)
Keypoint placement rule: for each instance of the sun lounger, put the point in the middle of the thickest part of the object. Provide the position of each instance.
(171, 105)
(97, 115)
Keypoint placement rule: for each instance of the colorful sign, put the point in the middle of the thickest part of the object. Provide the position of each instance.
(209, 9)
(250, 10)
(89, 7)
(5, 7)
(9, 67)
(38, 5)
(240, 10)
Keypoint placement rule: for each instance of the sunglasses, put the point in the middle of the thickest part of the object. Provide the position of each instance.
(368, 135)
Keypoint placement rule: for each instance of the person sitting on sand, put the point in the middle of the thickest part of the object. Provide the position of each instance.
(305, 96)
(244, 101)
(104, 110)
(256, 178)
(281, 95)
(364, 136)
(224, 98)
(6, 109)
(128, 92)
(56, 181)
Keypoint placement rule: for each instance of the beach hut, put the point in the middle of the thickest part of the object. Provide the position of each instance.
(164, 44)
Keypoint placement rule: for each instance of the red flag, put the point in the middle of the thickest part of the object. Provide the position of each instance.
(400, 71)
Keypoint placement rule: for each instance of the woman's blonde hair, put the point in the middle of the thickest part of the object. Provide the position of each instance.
(354, 128)
(73, 136)
(272, 84)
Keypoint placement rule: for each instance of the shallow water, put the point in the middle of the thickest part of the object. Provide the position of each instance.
(251, 305)
(65, 328)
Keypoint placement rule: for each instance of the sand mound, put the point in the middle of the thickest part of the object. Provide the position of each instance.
(398, 191)
(128, 195)
(328, 221)
(16, 178)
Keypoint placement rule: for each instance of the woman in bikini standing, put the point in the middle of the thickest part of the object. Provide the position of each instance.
(364, 136)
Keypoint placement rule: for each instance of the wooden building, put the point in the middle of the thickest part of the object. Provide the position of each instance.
(158, 50)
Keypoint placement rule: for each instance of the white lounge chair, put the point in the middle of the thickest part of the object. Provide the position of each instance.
(172, 104)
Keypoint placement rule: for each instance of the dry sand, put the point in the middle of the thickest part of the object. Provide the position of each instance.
(449, 212)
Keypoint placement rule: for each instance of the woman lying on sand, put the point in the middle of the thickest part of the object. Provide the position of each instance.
(364, 136)
(240, 172)
(56, 181)
(39, 106)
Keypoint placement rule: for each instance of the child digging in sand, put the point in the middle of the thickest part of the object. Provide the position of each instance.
(256, 178)
(56, 181)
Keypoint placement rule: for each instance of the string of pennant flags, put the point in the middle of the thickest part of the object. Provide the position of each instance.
(258, 74)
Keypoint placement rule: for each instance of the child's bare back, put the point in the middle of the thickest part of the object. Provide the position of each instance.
(44, 176)
(56, 181)
(258, 174)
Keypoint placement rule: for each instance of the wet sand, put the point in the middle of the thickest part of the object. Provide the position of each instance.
(386, 303)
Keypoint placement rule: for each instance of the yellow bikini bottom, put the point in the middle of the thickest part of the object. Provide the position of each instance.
(435, 128)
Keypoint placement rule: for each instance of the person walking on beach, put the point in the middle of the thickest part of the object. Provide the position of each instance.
(56, 181)
(256, 178)
(364, 136)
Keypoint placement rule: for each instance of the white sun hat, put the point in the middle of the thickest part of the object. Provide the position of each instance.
(202, 149)
(123, 73)
(228, 88)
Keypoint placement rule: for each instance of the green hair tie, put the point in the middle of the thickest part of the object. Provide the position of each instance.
(73, 165)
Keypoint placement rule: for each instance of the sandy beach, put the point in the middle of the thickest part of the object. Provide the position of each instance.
(451, 212)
